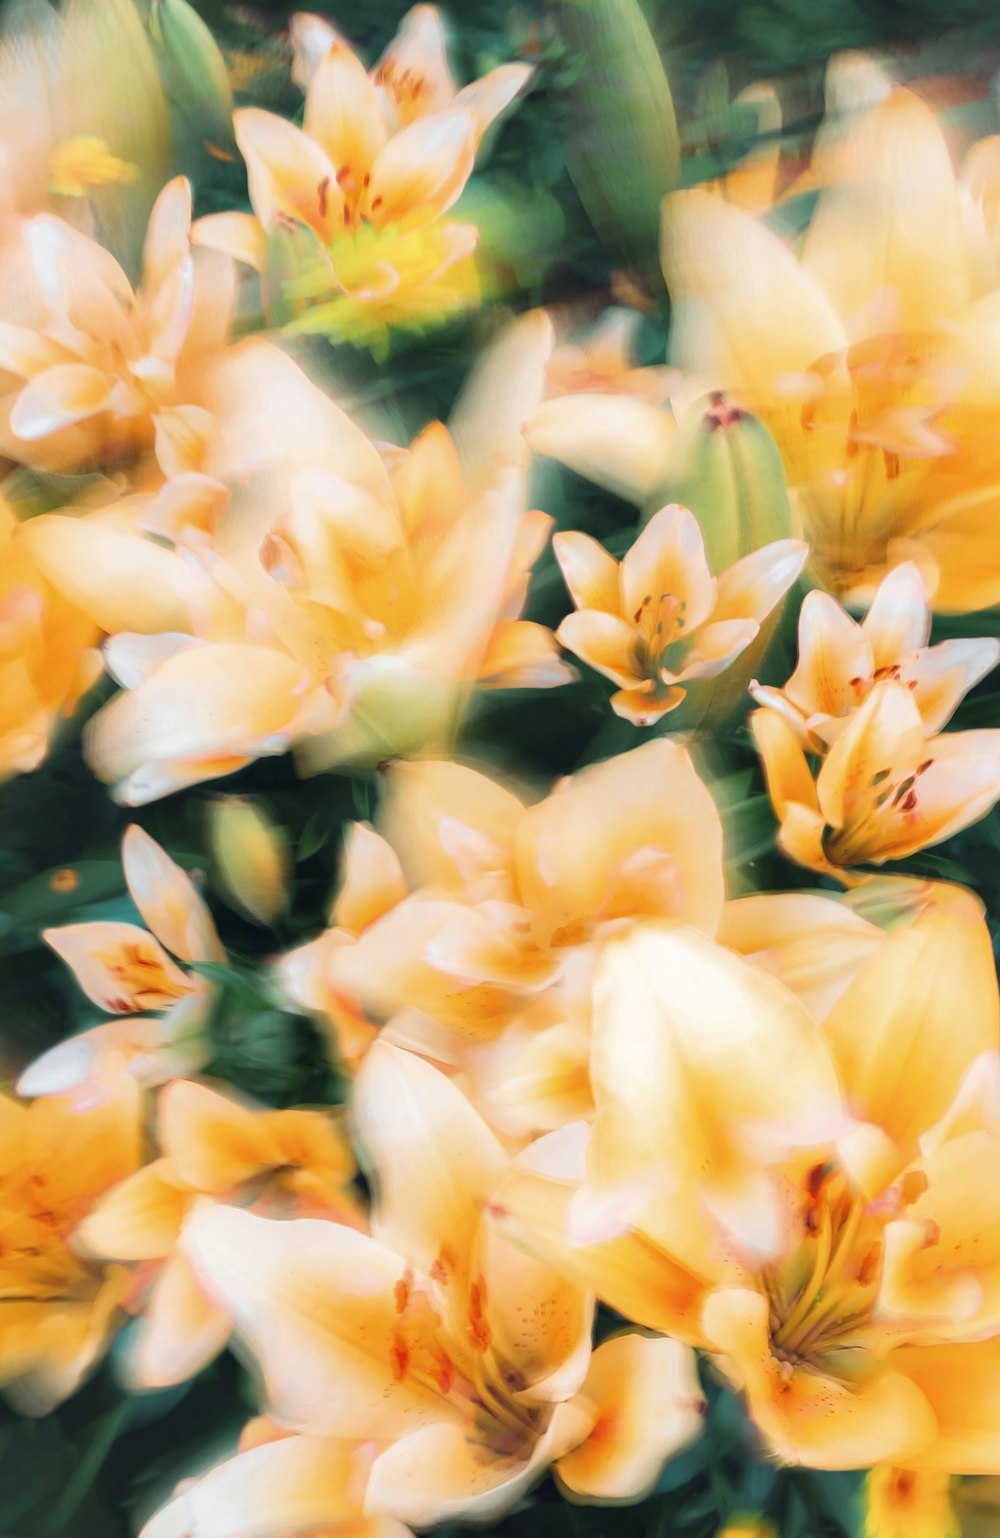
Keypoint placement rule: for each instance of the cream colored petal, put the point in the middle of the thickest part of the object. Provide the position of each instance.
(715, 646)
(288, 172)
(668, 560)
(754, 585)
(590, 573)
(789, 781)
(880, 744)
(293, 1485)
(960, 784)
(120, 580)
(344, 116)
(913, 1020)
(644, 709)
(703, 1068)
(414, 70)
(813, 944)
(235, 234)
(315, 1304)
(440, 1473)
(180, 1332)
(745, 312)
(889, 228)
(434, 1159)
(140, 1219)
(168, 244)
(213, 1141)
(119, 966)
(899, 620)
(523, 655)
(835, 666)
(168, 900)
(422, 170)
(505, 386)
(493, 93)
(207, 709)
(310, 37)
(447, 822)
(649, 1406)
(941, 676)
(574, 848)
(614, 440)
(58, 397)
(372, 879)
(604, 642)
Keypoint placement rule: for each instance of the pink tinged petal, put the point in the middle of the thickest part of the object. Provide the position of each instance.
(204, 711)
(288, 173)
(167, 245)
(311, 36)
(168, 323)
(940, 676)
(493, 93)
(423, 169)
(414, 70)
(168, 900)
(714, 647)
(344, 116)
(315, 1304)
(604, 642)
(58, 397)
(291, 1485)
(836, 666)
(234, 234)
(668, 559)
(119, 966)
(754, 585)
(619, 443)
(899, 619)
(590, 573)
(648, 1406)
(120, 580)
(644, 709)
(180, 1332)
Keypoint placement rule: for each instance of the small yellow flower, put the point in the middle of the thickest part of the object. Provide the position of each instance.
(78, 164)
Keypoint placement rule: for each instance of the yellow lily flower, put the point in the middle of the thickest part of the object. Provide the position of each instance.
(282, 1163)
(48, 657)
(351, 611)
(799, 1266)
(659, 619)
(111, 372)
(57, 1308)
(840, 661)
(500, 901)
(379, 159)
(885, 789)
(866, 355)
(128, 971)
(465, 1362)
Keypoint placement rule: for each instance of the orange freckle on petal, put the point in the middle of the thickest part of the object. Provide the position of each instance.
(444, 1375)
(480, 1334)
(400, 1358)
(321, 192)
(402, 1294)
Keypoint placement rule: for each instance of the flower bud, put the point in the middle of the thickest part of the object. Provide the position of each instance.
(251, 857)
(194, 70)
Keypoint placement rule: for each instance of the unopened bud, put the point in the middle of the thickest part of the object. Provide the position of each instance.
(251, 857)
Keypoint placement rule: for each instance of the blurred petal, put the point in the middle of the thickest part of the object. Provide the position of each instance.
(618, 442)
(168, 899)
(590, 573)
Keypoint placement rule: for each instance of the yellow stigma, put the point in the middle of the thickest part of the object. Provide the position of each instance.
(78, 164)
